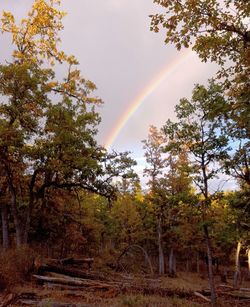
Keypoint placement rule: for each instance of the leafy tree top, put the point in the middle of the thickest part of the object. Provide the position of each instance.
(217, 30)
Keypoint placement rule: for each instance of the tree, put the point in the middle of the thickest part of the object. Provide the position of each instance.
(199, 135)
(217, 31)
(48, 124)
(178, 190)
(153, 147)
(169, 185)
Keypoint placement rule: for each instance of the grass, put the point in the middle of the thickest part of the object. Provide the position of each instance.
(184, 281)
(152, 301)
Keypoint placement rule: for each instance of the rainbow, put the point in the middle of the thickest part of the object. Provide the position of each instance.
(149, 89)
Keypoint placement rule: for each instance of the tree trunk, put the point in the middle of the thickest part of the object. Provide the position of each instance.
(187, 265)
(161, 254)
(27, 227)
(248, 258)
(210, 268)
(237, 265)
(147, 259)
(172, 263)
(17, 222)
(198, 263)
(5, 228)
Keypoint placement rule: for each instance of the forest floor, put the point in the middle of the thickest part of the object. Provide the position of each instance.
(181, 290)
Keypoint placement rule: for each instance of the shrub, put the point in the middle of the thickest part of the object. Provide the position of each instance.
(16, 266)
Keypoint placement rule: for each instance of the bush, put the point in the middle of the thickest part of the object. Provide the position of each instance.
(16, 266)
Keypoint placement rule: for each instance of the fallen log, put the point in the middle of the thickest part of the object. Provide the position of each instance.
(72, 282)
(245, 289)
(112, 283)
(117, 287)
(69, 272)
(72, 261)
(225, 286)
(202, 296)
(239, 295)
(61, 287)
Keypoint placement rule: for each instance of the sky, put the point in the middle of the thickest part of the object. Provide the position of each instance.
(139, 78)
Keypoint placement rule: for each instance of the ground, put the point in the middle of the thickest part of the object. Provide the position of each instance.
(31, 294)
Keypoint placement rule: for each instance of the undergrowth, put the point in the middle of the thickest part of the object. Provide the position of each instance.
(16, 266)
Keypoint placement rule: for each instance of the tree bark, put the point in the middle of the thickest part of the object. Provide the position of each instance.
(147, 259)
(160, 248)
(67, 271)
(27, 225)
(210, 268)
(197, 263)
(172, 263)
(17, 222)
(187, 265)
(248, 258)
(72, 281)
(206, 234)
(5, 228)
(237, 265)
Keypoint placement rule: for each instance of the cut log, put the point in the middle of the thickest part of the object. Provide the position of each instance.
(202, 296)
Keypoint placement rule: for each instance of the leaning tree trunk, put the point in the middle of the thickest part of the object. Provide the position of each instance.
(237, 265)
(5, 228)
(161, 254)
(210, 268)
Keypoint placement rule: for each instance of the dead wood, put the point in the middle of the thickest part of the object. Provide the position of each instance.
(245, 289)
(202, 296)
(225, 286)
(118, 261)
(72, 261)
(52, 286)
(239, 295)
(68, 271)
(226, 290)
(8, 299)
(93, 282)
(70, 281)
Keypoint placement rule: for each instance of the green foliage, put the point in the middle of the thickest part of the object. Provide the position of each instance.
(198, 134)
(48, 124)
(218, 30)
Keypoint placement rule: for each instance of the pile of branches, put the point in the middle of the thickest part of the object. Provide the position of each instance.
(70, 274)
